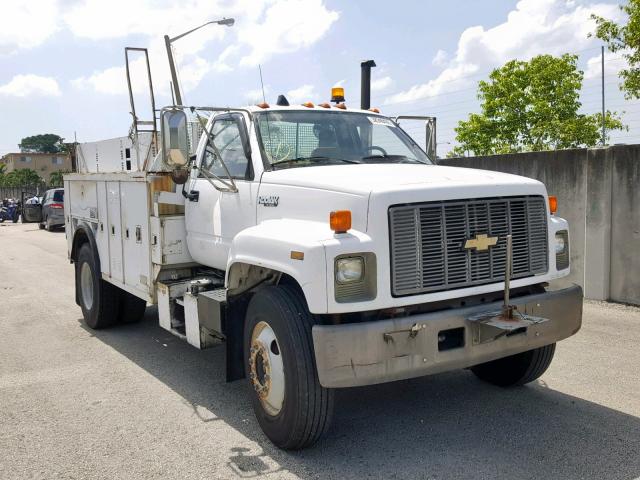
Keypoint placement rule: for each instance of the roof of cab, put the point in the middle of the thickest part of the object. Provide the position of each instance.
(333, 108)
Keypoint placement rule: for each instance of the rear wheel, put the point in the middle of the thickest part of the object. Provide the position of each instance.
(291, 406)
(99, 300)
(516, 369)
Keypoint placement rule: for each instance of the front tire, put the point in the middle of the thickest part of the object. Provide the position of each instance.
(291, 406)
(516, 369)
(99, 300)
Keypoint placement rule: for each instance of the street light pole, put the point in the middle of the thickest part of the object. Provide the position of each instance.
(172, 64)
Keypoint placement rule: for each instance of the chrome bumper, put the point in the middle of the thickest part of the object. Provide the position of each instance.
(383, 351)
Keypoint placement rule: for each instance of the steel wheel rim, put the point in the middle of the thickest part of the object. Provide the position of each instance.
(266, 369)
(86, 285)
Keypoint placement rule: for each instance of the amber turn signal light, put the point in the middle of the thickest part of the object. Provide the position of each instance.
(553, 204)
(340, 221)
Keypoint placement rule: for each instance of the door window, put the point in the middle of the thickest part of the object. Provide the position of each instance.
(225, 143)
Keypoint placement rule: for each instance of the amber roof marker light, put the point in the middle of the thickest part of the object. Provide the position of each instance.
(337, 94)
(340, 221)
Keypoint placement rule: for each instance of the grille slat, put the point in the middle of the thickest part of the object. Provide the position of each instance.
(427, 242)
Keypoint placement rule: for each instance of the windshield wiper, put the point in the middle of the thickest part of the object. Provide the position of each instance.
(398, 158)
(315, 158)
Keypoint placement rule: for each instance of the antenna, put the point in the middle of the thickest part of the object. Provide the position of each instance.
(264, 98)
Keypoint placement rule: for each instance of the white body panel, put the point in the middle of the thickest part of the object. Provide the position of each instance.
(115, 154)
(169, 240)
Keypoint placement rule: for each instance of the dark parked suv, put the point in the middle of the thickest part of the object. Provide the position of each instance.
(53, 209)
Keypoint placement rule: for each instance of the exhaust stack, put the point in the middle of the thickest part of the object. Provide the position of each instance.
(365, 84)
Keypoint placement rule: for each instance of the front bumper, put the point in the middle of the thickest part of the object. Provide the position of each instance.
(367, 353)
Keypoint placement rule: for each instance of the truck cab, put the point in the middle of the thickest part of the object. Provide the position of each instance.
(326, 250)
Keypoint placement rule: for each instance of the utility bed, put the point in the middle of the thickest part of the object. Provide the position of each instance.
(134, 243)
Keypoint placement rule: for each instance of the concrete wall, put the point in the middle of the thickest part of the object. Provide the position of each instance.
(597, 192)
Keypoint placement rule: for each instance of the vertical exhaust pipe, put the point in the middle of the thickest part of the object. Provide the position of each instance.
(365, 84)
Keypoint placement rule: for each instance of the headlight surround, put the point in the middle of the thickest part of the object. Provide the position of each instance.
(562, 249)
(349, 270)
(355, 277)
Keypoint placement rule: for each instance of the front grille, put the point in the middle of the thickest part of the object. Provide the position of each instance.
(427, 242)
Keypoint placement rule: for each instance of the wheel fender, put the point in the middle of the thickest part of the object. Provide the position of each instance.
(84, 234)
(292, 247)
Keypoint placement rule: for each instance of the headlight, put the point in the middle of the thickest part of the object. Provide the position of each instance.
(561, 246)
(349, 269)
(562, 249)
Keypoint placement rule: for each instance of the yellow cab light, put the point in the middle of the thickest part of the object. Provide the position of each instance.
(324, 105)
(340, 221)
(341, 106)
(308, 104)
(553, 204)
(374, 110)
(263, 105)
(337, 94)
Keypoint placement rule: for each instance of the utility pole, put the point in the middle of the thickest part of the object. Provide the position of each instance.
(603, 110)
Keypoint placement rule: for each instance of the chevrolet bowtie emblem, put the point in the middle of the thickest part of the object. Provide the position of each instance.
(481, 242)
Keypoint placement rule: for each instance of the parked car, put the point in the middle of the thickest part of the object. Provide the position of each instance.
(52, 209)
(31, 208)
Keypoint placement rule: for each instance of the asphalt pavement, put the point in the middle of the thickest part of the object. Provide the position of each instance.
(135, 402)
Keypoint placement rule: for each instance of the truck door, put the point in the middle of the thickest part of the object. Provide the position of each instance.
(216, 215)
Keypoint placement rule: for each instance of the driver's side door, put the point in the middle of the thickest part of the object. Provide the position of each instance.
(214, 213)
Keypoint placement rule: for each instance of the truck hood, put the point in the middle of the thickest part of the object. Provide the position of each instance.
(384, 178)
(310, 193)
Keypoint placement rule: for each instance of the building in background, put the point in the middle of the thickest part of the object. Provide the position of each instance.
(44, 164)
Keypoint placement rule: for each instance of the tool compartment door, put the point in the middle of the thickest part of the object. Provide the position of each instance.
(135, 235)
(114, 230)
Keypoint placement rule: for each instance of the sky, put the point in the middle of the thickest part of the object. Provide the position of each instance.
(62, 61)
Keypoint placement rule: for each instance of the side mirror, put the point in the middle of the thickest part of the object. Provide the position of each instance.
(175, 140)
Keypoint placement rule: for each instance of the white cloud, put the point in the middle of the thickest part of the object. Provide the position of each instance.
(612, 66)
(304, 93)
(29, 85)
(288, 25)
(26, 24)
(380, 84)
(440, 59)
(263, 28)
(256, 96)
(532, 28)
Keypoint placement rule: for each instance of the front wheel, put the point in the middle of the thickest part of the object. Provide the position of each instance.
(516, 369)
(291, 406)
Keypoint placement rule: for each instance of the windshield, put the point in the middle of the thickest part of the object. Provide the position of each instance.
(300, 138)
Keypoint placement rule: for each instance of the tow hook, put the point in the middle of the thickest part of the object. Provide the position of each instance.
(413, 332)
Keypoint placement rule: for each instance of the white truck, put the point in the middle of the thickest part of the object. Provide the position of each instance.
(325, 250)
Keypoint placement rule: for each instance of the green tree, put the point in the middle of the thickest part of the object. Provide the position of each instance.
(44, 143)
(625, 38)
(530, 106)
(19, 178)
(55, 179)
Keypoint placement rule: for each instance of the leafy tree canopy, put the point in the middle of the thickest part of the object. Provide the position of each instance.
(55, 179)
(43, 143)
(530, 106)
(624, 38)
(19, 178)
